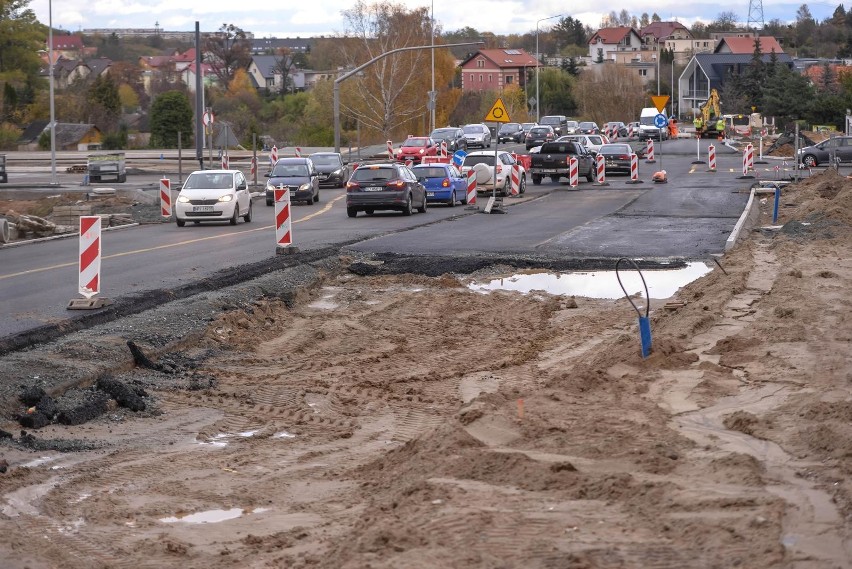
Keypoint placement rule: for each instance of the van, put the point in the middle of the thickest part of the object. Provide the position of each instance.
(647, 129)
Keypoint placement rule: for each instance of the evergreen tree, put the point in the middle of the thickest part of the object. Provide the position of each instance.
(170, 113)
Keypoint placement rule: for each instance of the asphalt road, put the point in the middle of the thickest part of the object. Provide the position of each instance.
(690, 217)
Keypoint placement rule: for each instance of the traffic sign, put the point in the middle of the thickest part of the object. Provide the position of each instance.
(660, 101)
(207, 118)
(498, 112)
(458, 157)
(660, 121)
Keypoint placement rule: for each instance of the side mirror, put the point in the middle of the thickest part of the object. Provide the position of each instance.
(268, 174)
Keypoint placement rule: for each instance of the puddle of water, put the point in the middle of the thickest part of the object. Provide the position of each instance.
(38, 461)
(661, 283)
(283, 435)
(212, 516)
(219, 440)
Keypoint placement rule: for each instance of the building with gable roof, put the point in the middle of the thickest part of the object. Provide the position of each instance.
(495, 69)
(606, 43)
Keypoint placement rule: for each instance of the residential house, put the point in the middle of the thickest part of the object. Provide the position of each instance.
(69, 136)
(98, 66)
(175, 67)
(66, 72)
(619, 44)
(675, 37)
(266, 74)
(188, 74)
(745, 45)
(495, 69)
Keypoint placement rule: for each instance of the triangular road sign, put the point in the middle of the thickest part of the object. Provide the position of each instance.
(498, 112)
(660, 101)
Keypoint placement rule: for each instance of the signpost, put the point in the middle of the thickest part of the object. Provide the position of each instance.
(660, 121)
(497, 113)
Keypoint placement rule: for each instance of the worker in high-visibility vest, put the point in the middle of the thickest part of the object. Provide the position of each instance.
(697, 123)
(720, 127)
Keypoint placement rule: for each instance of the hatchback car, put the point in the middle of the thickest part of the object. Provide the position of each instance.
(384, 186)
(570, 127)
(510, 132)
(213, 195)
(616, 157)
(838, 148)
(415, 148)
(477, 135)
(587, 127)
(592, 142)
(555, 121)
(618, 128)
(444, 183)
(484, 163)
(333, 173)
(538, 135)
(298, 175)
(452, 135)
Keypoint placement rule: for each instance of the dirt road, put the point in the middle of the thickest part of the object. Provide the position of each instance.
(405, 421)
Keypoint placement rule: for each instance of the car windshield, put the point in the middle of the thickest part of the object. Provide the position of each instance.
(373, 173)
(209, 181)
(595, 140)
(540, 131)
(327, 160)
(290, 170)
(472, 160)
(528, 125)
(430, 172)
(572, 124)
(473, 129)
(587, 125)
(510, 127)
(443, 133)
(615, 149)
(550, 120)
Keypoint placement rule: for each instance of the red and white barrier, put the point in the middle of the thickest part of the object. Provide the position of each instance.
(634, 167)
(600, 168)
(711, 158)
(471, 187)
(390, 150)
(273, 155)
(283, 223)
(630, 131)
(89, 281)
(614, 136)
(750, 156)
(298, 152)
(166, 198)
(409, 163)
(515, 187)
(650, 154)
(443, 149)
(254, 169)
(573, 171)
(225, 162)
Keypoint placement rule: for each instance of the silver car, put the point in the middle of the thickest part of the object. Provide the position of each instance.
(838, 148)
(477, 135)
(213, 195)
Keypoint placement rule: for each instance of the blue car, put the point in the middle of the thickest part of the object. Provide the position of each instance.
(444, 183)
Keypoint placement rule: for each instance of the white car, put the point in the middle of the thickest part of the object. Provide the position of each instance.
(213, 195)
(592, 142)
(477, 135)
(483, 163)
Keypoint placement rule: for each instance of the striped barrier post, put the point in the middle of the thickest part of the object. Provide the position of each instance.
(711, 158)
(166, 198)
(409, 163)
(273, 155)
(471, 188)
(600, 167)
(650, 153)
(254, 170)
(629, 131)
(298, 152)
(515, 187)
(283, 223)
(573, 171)
(390, 150)
(634, 169)
(225, 161)
(750, 156)
(443, 149)
(614, 136)
(89, 259)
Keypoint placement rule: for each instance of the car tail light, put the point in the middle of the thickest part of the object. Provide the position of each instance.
(624, 157)
(352, 186)
(396, 185)
(549, 135)
(445, 183)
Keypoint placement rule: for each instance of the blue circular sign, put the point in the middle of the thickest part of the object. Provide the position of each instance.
(660, 121)
(458, 157)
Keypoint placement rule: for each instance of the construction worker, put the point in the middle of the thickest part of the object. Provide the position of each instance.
(697, 123)
(672, 127)
(720, 127)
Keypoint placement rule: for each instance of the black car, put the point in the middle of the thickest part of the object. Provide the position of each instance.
(616, 157)
(588, 127)
(453, 136)
(538, 135)
(384, 186)
(297, 174)
(333, 173)
(511, 132)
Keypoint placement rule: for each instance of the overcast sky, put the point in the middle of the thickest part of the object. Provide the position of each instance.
(291, 18)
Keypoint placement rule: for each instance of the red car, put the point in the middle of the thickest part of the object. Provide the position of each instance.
(415, 148)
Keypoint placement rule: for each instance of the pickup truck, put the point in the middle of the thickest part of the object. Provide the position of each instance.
(552, 160)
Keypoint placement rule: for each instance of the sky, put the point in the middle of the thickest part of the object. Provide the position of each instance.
(266, 18)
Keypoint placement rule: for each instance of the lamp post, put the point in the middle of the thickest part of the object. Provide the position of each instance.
(432, 97)
(537, 65)
(53, 180)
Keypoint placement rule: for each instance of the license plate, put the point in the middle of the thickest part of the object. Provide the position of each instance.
(430, 194)
(202, 208)
(549, 171)
(373, 189)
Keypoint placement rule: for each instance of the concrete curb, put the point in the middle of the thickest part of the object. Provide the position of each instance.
(748, 218)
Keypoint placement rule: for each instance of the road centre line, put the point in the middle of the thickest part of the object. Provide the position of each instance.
(327, 207)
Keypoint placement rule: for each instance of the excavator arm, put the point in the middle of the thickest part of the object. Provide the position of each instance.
(710, 112)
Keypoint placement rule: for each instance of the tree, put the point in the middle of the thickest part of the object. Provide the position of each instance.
(569, 31)
(104, 103)
(284, 63)
(21, 37)
(171, 113)
(724, 22)
(229, 50)
(613, 94)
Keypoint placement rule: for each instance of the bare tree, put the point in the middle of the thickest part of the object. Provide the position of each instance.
(284, 62)
(228, 50)
(613, 94)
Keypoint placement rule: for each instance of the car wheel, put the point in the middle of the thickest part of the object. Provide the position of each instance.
(180, 222)
(369, 211)
(247, 216)
(351, 211)
(590, 175)
(536, 179)
(554, 179)
(422, 209)
(269, 202)
(236, 215)
(809, 161)
(523, 187)
(316, 197)
(409, 207)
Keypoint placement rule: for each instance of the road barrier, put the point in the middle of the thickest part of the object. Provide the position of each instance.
(409, 163)
(573, 171)
(283, 223)
(254, 170)
(634, 169)
(443, 149)
(748, 161)
(298, 152)
(650, 154)
(515, 187)
(711, 158)
(273, 155)
(629, 131)
(166, 198)
(600, 167)
(225, 161)
(89, 265)
(390, 150)
(471, 188)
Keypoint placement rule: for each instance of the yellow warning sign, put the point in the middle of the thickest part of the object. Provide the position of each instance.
(660, 101)
(498, 112)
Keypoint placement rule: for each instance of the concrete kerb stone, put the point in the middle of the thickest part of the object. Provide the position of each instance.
(749, 216)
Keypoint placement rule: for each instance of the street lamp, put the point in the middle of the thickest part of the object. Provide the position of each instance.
(432, 97)
(53, 180)
(537, 65)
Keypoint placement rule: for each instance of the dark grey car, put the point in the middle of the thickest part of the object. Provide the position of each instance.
(333, 173)
(384, 186)
(453, 136)
(297, 174)
(838, 148)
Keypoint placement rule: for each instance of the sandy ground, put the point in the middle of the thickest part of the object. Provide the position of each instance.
(405, 421)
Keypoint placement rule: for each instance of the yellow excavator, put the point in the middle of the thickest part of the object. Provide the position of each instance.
(711, 112)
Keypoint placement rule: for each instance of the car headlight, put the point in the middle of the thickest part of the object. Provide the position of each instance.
(337, 173)
(226, 198)
(305, 187)
(422, 150)
(183, 199)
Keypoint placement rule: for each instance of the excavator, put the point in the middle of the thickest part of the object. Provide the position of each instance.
(711, 112)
